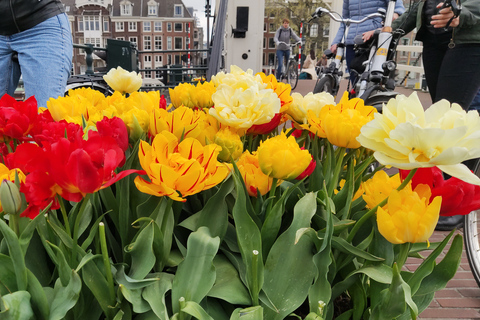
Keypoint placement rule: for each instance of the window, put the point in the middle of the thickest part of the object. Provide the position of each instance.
(178, 10)
(158, 43)
(147, 43)
(271, 28)
(264, 27)
(178, 27)
(271, 59)
(89, 23)
(133, 39)
(132, 26)
(169, 59)
(158, 74)
(152, 8)
(326, 32)
(157, 26)
(106, 24)
(169, 43)
(147, 58)
(147, 26)
(95, 41)
(120, 38)
(158, 60)
(195, 34)
(178, 43)
(264, 43)
(271, 43)
(125, 8)
(148, 74)
(314, 30)
(169, 26)
(119, 26)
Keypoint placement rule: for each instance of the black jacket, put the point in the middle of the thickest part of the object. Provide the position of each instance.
(21, 15)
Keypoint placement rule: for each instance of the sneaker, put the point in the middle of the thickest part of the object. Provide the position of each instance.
(449, 223)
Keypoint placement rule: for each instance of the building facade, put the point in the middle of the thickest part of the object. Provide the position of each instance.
(153, 25)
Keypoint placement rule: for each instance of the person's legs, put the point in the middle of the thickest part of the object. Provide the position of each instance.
(349, 55)
(10, 69)
(475, 105)
(459, 76)
(432, 57)
(281, 54)
(45, 58)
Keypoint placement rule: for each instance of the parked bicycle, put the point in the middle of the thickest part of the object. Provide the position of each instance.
(375, 75)
(290, 68)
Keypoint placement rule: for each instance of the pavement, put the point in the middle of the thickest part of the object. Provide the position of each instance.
(461, 297)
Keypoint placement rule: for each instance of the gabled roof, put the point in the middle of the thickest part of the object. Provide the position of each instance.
(140, 8)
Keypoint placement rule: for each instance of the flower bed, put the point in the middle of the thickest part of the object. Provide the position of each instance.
(238, 201)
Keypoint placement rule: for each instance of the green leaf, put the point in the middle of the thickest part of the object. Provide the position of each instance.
(380, 273)
(228, 285)
(141, 251)
(65, 297)
(155, 293)
(38, 298)
(8, 282)
(346, 247)
(195, 276)
(445, 270)
(64, 269)
(16, 306)
(251, 313)
(194, 309)
(289, 268)
(249, 241)
(135, 298)
(16, 254)
(130, 283)
(27, 233)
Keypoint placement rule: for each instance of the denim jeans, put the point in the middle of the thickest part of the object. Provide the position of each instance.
(281, 55)
(44, 59)
(475, 105)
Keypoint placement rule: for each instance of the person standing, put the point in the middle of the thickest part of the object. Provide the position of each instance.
(309, 65)
(38, 33)
(356, 10)
(282, 42)
(450, 56)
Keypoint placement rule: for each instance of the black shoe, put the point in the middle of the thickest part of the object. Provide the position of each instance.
(449, 223)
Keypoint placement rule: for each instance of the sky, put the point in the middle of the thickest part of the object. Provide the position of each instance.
(199, 11)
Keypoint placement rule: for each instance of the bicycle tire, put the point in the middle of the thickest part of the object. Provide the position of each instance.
(471, 237)
(379, 99)
(324, 84)
(88, 84)
(292, 75)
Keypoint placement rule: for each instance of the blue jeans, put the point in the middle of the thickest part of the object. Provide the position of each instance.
(475, 105)
(44, 59)
(281, 55)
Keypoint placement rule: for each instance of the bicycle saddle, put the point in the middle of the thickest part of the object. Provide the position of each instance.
(328, 53)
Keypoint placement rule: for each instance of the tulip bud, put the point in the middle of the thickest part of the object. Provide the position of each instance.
(10, 197)
(232, 146)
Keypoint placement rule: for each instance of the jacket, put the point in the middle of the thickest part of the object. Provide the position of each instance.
(358, 9)
(468, 30)
(284, 35)
(21, 15)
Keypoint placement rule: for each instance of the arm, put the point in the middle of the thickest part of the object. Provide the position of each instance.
(469, 16)
(295, 37)
(399, 8)
(341, 30)
(275, 38)
(408, 20)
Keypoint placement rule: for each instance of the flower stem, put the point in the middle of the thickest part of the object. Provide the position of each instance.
(271, 194)
(403, 254)
(338, 167)
(106, 262)
(13, 221)
(372, 211)
(255, 288)
(64, 215)
(77, 226)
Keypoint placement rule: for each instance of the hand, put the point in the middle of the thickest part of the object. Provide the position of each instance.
(441, 19)
(367, 35)
(333, 48)
(395, 16)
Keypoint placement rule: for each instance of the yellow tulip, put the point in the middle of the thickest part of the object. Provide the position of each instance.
(281, 157)
(123, 81)
(342, 122)
(181, 95)
(202, 95)
(409, 216)
(241, 109)
(237, 79)
(7, 174)
(283, 90)
(407, 137)
(379, 187)
(179, 169)
(301, 105)
(232, 146)
(253, 176)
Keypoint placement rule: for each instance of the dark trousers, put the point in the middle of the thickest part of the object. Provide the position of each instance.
(349, 55)
(452, 73)
(282, 55)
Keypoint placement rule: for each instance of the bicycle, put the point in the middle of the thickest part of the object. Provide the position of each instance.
(375, 84)
(290, 69)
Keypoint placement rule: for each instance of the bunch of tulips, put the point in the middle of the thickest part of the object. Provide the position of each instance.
(237, 200)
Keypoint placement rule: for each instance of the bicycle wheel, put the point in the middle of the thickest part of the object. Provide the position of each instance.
(379, 99)
(325, 84)
(292, 75)
(471, 229)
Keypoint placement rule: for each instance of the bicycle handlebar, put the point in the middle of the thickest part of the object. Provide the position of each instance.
(321, 11)
(289, 44)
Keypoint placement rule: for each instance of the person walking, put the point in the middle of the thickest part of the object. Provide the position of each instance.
(282, 42)
(309, 65)
(358, 9)
(36, 43)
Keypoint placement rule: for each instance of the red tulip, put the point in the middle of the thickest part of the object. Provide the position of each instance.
(266, 127)
(16, 117)
(458, 197)
(307, 171)
(116, 128)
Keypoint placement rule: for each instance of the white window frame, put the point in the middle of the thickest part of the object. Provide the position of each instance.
(157, 26)
(169, 43)
(126, 8)
(175, 43)
(133, 39)
(147, 26)
(178, 7)
(132, 26)
(147, 40)
(118, 24)
(169, 27)
(175, 27)
(157, 39)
